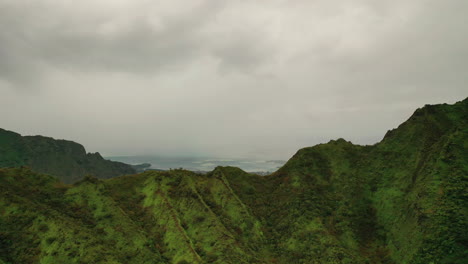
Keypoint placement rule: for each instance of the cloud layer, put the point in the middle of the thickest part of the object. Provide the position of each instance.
(229, 78)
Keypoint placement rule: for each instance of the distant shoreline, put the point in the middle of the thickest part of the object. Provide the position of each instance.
(199, 164)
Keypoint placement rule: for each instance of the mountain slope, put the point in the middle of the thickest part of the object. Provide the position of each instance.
(403, 200)
(65, 159)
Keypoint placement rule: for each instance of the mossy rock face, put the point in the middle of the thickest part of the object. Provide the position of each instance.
(403, 200)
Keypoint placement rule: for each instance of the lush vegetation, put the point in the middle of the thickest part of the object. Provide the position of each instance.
(64, 159)
(403, 200)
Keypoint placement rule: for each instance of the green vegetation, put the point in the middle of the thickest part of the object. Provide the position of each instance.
(64, 159)
(403, 200)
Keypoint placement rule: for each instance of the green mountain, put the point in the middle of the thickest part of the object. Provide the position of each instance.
(403, 200)
(64, 159)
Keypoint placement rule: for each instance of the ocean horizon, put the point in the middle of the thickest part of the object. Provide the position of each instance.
(200, 163)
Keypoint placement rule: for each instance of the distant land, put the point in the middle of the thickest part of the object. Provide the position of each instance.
(202, 164)
(67, 160)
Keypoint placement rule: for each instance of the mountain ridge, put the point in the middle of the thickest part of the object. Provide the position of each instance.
(402, 200)
(64, 159)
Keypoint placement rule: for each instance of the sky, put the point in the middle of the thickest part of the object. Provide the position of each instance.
(257, 78)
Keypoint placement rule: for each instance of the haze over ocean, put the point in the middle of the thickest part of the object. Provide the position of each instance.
(201, 163)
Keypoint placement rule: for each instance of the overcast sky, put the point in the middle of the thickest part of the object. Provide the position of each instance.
(226, 78)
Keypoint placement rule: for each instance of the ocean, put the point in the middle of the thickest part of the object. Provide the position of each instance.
(201, 164)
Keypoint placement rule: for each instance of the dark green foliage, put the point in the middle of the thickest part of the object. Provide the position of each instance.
(66, 160)
(403, 200)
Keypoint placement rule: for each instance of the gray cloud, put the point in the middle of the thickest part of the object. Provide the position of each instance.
(38, 34)
(259, 78)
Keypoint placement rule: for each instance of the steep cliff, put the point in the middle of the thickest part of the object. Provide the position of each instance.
(64, 159)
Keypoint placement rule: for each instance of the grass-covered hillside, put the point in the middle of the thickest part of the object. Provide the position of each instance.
(403, 200)
(64, 159)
